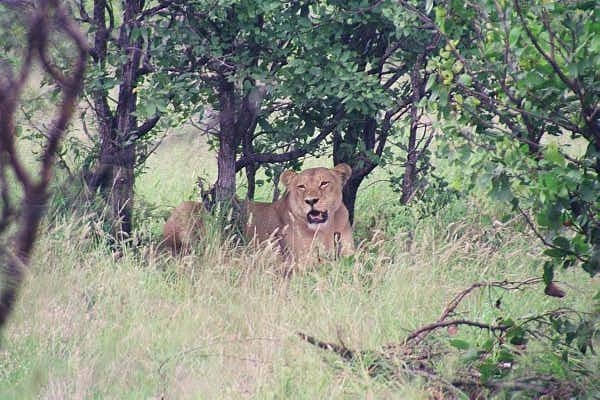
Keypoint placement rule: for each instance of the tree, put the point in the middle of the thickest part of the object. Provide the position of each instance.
(287, 77)
(523, 84)
(122, 63)
(23, 202)
(517, 94)
(389, 51)
(238, 55)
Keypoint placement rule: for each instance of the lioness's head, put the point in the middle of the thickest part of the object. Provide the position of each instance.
(315, 194)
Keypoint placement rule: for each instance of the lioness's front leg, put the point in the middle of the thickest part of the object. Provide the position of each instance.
(347, 245)
(343, 243)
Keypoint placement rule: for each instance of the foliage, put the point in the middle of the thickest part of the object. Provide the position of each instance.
(431, 194)
(284, 78)
(518, 84)
(535, 354)
(529, 355)
(516, 91)
(268, 68)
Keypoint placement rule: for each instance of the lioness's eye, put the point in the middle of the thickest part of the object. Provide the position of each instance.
(324, 184)
(301, 187)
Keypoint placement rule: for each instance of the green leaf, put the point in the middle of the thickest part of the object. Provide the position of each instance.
(504, 355)
(428, 6)
(592, 265)
(555, 253)
(548, 272)
(488, 370)
(553, 155)
(501, 189)
(488, 345)
(588, 190)
(562, 242)
(465, 79)
(430, 82)
(514, 34)
(460, 344)
(516, 335)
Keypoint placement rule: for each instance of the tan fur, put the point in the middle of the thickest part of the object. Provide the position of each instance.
(309, 221)
(184, 226)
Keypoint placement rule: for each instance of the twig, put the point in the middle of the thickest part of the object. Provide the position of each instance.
(543, 239)
(507, 285)
(442, 324)
(342, 351)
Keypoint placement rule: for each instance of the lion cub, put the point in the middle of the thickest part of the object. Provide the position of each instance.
(309, 221)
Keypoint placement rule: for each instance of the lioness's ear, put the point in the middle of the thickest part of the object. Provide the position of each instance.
(287, 177)
(344, 170)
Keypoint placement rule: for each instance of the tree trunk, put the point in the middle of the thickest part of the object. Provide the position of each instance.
(114, 174)
(101, 177)
(251, 178)
(410, 169)
(123, 177)
(412, 152)
(345, 151)
(225, 185)
(121, 193)
(349, 194)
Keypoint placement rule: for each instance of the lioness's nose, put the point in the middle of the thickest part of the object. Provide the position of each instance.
(311, 200)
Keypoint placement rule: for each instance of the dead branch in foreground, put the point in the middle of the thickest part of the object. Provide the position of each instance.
(441, 322)
(413, 357)
(26, 213)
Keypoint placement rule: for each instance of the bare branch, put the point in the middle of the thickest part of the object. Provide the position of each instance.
(34, 196)
(342, 351)
(144, 128)
(441, 324)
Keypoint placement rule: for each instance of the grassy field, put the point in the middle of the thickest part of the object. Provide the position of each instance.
(222, 324)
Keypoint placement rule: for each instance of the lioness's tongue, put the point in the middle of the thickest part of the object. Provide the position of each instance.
(316, 217)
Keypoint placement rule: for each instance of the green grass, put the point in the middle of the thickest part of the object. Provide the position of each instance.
(222, 324)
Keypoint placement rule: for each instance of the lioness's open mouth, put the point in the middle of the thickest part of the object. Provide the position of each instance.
(317, 217)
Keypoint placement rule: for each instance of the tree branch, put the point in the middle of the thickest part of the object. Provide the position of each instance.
(144, 128)
(571, 83)
(266, 158)
(32, 205)
(341, 351)
(441, 324)
(420, 334)
(543, 239)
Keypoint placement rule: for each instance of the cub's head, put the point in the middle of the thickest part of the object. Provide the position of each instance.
(315, 194)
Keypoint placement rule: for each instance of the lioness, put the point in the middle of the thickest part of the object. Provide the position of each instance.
(309, 218)
(184, 226)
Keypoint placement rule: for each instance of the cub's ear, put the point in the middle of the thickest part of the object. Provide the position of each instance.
(287, 177)
(344, 170)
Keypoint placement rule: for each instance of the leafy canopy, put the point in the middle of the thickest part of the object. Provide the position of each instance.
(520, 86)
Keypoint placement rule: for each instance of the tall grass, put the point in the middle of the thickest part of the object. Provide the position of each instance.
(222, 322)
